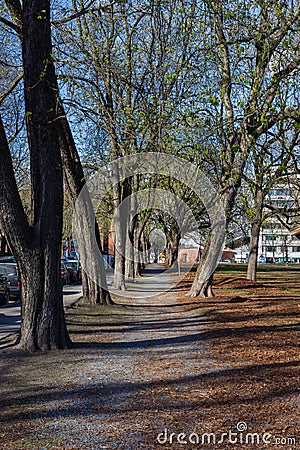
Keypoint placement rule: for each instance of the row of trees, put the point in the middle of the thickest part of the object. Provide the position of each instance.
(212, 82)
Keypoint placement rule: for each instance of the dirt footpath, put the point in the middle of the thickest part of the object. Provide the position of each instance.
(168, 372)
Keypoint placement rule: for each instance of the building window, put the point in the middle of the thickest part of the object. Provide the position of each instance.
(271, 248)
(268, 237)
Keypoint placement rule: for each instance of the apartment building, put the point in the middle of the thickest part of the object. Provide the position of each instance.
(277, 244)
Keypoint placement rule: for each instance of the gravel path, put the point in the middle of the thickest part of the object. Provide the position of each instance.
(130, 387)
(145, 369)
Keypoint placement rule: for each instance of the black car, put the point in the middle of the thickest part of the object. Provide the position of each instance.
(10, 271)
(4, 290)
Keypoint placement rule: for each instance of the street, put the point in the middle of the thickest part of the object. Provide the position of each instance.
(10, 314)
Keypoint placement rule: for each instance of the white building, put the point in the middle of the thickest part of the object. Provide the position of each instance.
(276, 243)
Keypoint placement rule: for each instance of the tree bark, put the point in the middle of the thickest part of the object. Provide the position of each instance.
(145, 249)
(130, 252)
(173, 239)
(121, 191)
(75, 181)
(254, 237)
(120, 224)
(253, 251)
(99, 294)
(137, 249)
(43, 323)
(72, 168)
(37, 246)
(230, 183)
(202, 284)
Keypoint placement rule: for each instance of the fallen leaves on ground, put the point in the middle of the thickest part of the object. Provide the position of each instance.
(193, 366)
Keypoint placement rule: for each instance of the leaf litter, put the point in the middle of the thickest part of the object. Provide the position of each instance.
(201, 366)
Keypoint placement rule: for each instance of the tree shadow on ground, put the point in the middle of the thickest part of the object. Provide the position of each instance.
(113, 397)
(218, 333)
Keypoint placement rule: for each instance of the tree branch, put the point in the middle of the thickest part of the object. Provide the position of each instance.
(226, 82)
(15, 9)
(12, 215)
(75, 15)
(90, 166)
(11, 25)
(276, 79)
(14, 83)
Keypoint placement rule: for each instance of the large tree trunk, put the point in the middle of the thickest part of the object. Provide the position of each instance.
(121, 190)
(99, 294)
(119, 262)
(74, 181)
(72, 168)
(88, 238)
(37, 251)
(94, 284)
(173, 239)
(37, 247)
(43, 323)
(145, 246)
(254, 238)
(120, 225)
(253, 251)
(130, 252)
(137, 249)
(202, 284)
(221, 210)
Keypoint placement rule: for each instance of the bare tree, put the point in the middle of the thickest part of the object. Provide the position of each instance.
(73, 172)
(36, 245)
(250, 65)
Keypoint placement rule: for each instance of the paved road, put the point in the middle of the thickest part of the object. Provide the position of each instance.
(10, 319)
(155, 280)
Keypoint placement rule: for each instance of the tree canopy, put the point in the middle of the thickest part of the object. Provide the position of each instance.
(86, 83)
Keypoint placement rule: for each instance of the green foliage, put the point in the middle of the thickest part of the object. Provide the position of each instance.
(42, 15)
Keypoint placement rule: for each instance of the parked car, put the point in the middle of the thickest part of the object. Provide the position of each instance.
(10, 259)
(71, 257)
(65, 274)
(10, 271)
(74, 269)
(4, 290)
